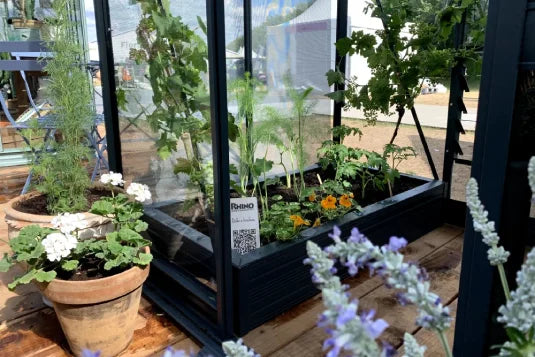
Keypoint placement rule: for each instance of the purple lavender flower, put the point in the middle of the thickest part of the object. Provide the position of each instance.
(396, 243)
(388, 350)
(88, 353)
(374, 327)
(323, 321)
(335, 235)
(356, 236)
(170, 352)
(346, 314)
(334, 348)
(402, 299)
(423, 275)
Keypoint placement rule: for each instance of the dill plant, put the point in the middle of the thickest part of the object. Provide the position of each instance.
(61, 174)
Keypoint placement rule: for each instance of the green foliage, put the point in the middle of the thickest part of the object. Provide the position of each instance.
(62, 175)
(27, 248)
(177, 59)
(292, 126)
(395, 155)
(399, 62)
(277, 223)
(243, 90)
(343, 131)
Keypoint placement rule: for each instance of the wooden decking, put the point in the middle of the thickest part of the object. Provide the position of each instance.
(28, 328)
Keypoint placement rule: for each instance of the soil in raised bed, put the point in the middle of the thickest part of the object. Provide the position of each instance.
(192, 218)
(38, 204)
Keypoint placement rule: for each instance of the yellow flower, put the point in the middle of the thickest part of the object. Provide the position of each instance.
(351, 195)
(329, 202)
(299, 221)
(317, 223)
(312, 197)
(345, 201)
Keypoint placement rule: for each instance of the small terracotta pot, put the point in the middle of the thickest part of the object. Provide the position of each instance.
(100, 314)
(19, 23)
(98, 226)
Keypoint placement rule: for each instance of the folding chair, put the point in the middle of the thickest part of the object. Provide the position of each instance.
(48, 123)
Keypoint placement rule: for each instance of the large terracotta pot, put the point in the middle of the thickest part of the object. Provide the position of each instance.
(98, 226)
(100, 314)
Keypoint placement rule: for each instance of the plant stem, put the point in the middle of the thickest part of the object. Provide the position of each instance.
(389, 188)
(505, 284)
(445, 344)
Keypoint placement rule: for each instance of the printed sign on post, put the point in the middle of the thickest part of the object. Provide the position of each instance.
(244, 226)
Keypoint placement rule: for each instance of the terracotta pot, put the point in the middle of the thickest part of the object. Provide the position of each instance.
(100, 314)
(19, 23)
(98, 226)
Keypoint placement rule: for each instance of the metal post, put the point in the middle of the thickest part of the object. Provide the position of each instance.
(424, 143)
(248, 68)
(107, 75)
(247, 37)
(340, 61)
(505, 28)
(215, 11)
(454, 126)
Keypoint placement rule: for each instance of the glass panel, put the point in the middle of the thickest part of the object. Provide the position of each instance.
(431, 105)
(280, 110)
(293, 48)
(161, 70)
(23, 22)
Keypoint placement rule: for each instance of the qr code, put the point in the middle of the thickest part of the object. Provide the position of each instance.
(244, 240)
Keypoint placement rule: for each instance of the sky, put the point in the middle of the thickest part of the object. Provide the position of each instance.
(125, 14)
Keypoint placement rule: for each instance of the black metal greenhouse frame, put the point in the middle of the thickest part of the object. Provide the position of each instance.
(209, 333)
(504, 37)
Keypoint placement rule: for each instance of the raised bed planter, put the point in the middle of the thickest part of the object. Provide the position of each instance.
(273, 278)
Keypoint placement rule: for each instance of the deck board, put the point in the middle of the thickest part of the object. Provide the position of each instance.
(429, 250)
(27, 328)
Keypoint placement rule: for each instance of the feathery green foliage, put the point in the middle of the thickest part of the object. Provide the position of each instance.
(62, 175)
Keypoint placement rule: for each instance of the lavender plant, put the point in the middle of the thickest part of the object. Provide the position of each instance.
(518, 313)
(356, 336)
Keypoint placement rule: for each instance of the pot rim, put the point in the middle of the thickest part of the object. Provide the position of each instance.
(96, 290)
(13, 213)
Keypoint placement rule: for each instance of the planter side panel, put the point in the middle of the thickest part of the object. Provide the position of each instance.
(276, 279)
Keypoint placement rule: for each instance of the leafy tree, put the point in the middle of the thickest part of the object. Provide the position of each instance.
(399, 62)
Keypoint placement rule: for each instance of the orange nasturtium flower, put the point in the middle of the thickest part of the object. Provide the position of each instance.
(329, 202)
(345, 201)
(317, 223)
(312, 197)
(299, 221)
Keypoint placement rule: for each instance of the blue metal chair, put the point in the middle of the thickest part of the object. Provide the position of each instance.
(48, 123)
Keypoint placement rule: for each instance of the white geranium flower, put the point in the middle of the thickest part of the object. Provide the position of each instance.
(69, 222)
(58, 246)
(140, 192)
(114, 178)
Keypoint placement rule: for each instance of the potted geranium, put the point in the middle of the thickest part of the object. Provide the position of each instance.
(60, 169)
(94, 284)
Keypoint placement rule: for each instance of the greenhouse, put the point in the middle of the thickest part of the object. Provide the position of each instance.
(267, 177)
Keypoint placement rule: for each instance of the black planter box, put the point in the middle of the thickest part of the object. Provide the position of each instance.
(273, 278)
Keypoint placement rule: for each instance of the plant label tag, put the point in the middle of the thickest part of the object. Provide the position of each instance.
(244, 225)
